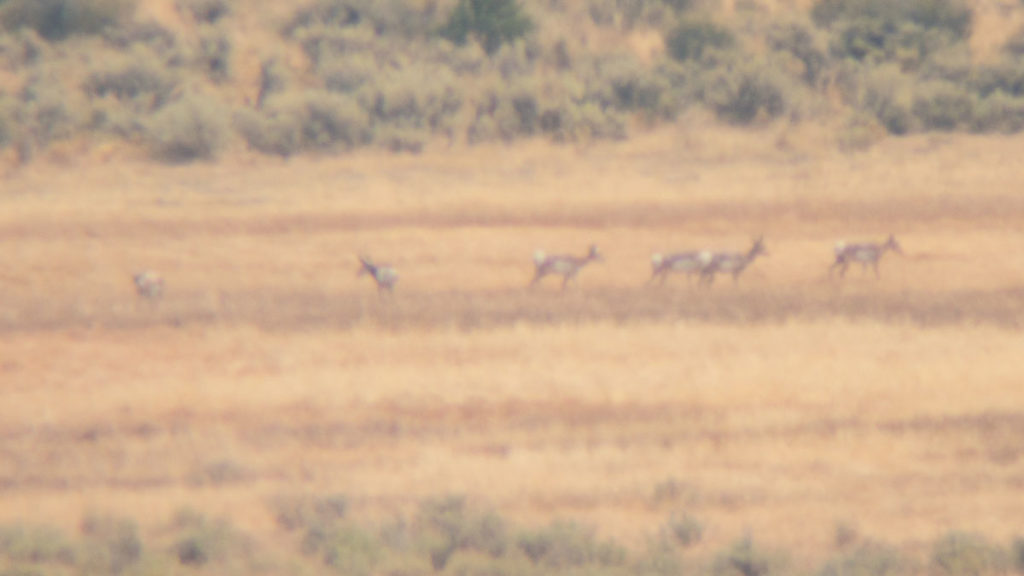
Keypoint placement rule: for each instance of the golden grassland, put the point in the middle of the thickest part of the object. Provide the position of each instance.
(783, 405)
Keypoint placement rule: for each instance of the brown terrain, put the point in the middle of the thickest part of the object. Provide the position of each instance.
(782, 406)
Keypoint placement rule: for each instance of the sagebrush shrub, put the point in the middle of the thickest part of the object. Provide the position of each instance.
(799, 40)
(745, 559)
(59, 19)
(888, 94)
(565, 545)
(112, 544)
(20, 543)
(491, 22)
(206, 11)
(691, 39)
(684, 529)
(749, 92)
(320, 119)
(194, 128)
(868, 560)
(139, 76)
(966, 554)
(942, 105)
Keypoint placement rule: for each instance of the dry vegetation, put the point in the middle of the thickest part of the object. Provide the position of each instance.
(837, 424)
(271, 414)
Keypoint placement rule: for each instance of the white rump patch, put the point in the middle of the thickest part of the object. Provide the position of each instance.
(656, 260)
(539, 256)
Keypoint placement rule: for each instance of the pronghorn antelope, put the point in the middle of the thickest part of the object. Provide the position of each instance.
(384, 275)
(732, 262)
(865, 253)
(148, 285)
(562, 265)
(689, 262)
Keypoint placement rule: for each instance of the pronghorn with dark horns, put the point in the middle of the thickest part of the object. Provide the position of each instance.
(866, 253)
(564, 265)
(689, 262)
(732, 262)
(383, 274)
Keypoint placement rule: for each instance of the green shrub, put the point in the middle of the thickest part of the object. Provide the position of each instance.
(591, 122)
(800, 41)
(684, 529)
(304, 512)
(422, 97)
(661, 558)
(140, 37)
(202, 541)
(448, 525)
(514, 60)
(691, 39)
(951, 16)
(139, 77)
(999, 112)
(874, 41)
(868, 560)
(48, 112)
(476, 564)
(270, 133)
(566, 545)
(213, 56)
(887, 94)
(35, 545)
(623, 83)
(22, 49)
(112, 545)
(324, 120)
(190, 129)
(748, 92)
(1017, 554)
(953, 64)
(344, 548)
(207, 11)
(965, 554)
(942, 105)
(625, 14)
(396, 18)
(348, 74)
(1006, 77)
(467, 60)
(8, 120)
(490, 22)
(402, 138)
(906, 32)
(745, 559)
(59, 19)
(108, 116)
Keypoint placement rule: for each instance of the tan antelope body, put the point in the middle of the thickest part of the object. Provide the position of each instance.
(733, 263)
(867, 253)
(690, 263)
(564, 265)
(384, 275)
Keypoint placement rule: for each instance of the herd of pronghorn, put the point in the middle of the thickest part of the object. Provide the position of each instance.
(704, 264)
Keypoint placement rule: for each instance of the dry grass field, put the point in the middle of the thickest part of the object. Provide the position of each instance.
(782, 406)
